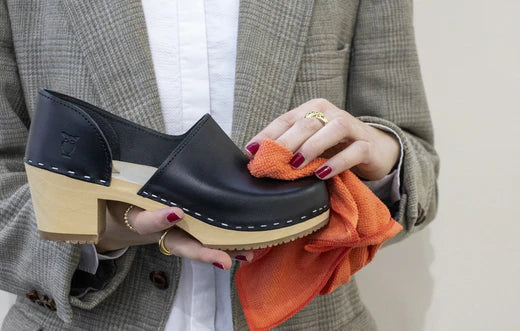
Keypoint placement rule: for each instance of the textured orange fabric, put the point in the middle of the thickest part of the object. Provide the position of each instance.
(281, 280)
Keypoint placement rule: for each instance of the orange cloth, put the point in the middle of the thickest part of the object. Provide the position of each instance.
(281, 280)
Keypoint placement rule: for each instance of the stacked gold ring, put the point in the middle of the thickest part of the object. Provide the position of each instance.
(317, 115)
(125, 217)
(162, 247)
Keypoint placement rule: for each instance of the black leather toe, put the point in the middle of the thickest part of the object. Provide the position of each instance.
(207, 175)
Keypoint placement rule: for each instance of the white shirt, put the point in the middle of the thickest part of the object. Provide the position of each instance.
(193, 46)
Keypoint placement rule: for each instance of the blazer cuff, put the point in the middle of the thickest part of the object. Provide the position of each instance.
(89, 290)
(418, 177)
(89, 257)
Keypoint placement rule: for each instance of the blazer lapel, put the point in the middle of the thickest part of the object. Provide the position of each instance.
(113, 38)
(271, 38)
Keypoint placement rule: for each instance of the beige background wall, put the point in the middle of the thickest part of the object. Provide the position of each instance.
(463, 272)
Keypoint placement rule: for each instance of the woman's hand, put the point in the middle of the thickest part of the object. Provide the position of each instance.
(347, 142)
(150, 225)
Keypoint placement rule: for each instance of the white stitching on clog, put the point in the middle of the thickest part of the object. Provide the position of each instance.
(56, 170)
(185, 209)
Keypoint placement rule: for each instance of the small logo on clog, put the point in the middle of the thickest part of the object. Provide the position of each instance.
(68, 144)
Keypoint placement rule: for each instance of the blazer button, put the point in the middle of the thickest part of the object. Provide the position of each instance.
(421, 216)
(159, 279)
(51, 305)
(33, 295)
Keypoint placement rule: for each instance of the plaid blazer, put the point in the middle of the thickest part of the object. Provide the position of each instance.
(358, 54)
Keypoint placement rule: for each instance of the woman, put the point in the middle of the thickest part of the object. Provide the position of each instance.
(354, 61)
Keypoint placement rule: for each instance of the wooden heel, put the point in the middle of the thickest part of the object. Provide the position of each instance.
(66, 209)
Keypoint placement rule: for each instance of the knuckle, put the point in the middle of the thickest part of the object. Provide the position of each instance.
(320, 103)
(286, 119)
(283, 141)
(311, 147)
(342, 123)
(149, 222)
(172, 247)
(309, 124)
(364, 148)
(205, 255)
(344, 160)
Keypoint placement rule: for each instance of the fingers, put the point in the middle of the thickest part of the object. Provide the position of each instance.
(358, 152)
(283, 123)
(150, 225)
(151, 221)
(271, 131)
(297, 134)
(339, 130)
(182, 244)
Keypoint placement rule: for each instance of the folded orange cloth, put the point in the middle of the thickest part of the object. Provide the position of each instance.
(281, 280)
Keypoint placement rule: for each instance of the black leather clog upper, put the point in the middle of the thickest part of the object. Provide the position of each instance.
(201, 171)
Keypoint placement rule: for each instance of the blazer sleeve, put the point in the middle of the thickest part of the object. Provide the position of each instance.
(385, 87)
(28, 263)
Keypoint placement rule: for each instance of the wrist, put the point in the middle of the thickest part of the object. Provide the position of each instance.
(391, 148)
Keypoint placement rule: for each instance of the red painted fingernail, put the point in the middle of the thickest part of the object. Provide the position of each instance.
(297, 160)
(172, 217)
(323, 171)
(218, 265)
(241, 258)
(253, 148)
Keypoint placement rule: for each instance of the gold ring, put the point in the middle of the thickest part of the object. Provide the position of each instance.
(317, 115)
(162, 247)
(125, 217)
